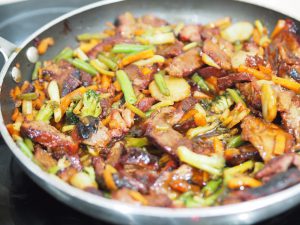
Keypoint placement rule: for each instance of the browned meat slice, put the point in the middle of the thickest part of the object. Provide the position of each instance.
(44, 159)
(145, 103)
(185, 64)
(49, 137)
(65, 75)
(99, 165)
(190, 33)
(217, 54)
(289, 107)
(267, 138)
(124, 196)
(99, 138)
(251, 92)
(153, 21)
(209, 33)
(242, 154)
(140, 80)
(210, 71)
(278, 165)
(158, 200)
(126, 24)
(138, 157)
(161, 134)
(85, 78)
(254, 61)
(107, 42)
(170, 50)
(231, 79)
(277, 183)
(115, 154)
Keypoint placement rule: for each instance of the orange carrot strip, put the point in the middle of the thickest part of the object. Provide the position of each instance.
(44, 45)
(66, 100)
(188, 115)
(256, 73)
(237, 182)
(265, 70)
(137, 56)
(289, 84)
(200, 119)
(105, 82)
(138, 196)
(218, 146)
(15, 114)
(117, 86)
(108, 178)
(106, 120)
(278, 28)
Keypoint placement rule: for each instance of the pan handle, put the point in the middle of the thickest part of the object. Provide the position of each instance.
(6, 48)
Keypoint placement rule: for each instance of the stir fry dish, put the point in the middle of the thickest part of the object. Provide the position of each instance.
(168, 115)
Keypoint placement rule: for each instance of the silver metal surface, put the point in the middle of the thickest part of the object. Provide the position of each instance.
(92, 18)
(6, 48)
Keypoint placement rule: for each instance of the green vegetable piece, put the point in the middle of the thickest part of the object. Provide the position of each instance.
(91, 104)
(24, 148)
(89, 36)
(221, 103)
(130, 48)
(108, 62)
(71, 118)
(136, 142)
(82, 65)
(236, 96)
(161, 83)
(46, 112)
(35, 72)
(235, 141)
(211, 187)
(29, 144)
(28, 96)
(200, 82)
(126, 86)
(66, 53)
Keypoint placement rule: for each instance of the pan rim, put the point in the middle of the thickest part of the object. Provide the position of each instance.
(115, 205)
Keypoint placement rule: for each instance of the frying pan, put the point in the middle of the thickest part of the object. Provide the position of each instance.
(92, 18)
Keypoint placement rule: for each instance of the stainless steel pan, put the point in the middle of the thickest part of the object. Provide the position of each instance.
(92, 18)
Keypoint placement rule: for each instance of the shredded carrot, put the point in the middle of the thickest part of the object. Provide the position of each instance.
(44, 45)
(105, 82)
(213, 81)
(108, 177)
(146, 71)
(87, 46)
(289, 84)
(278, 28)
(29, 117)
(256, 73)
(97, 79)
(15, 114)
(245, 181)
(106, 120)
(188, 115)
(256, 36)
(11, 130)
(205, 176)
(265, 70)
(137, 56)
(200, 119)
(139, 32)
(138, 196)
(146, 92)
(15, 92)
(218, 146)
(279, 144)
(66, 100)
(25, 86)
(117, 86)
(118, 97)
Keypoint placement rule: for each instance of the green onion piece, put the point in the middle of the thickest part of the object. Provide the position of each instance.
(66, 53)
(53, 169)
(235, 141)
(29, 143)
(108, 62)
(240, 169)
(161, 83)
(200, 82)
(236, 96)
(210, 200)
(136, 142)
(211, 164)
(126, 86)
(98, 66)
(149, 112)
(129, 48)
(89, 36)
(135, 110)
(82, 65)
(35, 72)
(190, 46)
(193, 132)
(211, 187)
(28, 96)
(161, 104)
(24, 148)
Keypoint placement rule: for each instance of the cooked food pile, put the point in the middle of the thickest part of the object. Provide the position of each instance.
(168, 115)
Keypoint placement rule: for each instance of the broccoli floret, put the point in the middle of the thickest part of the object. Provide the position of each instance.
(91, 104)
(46, 112)
(221, 103)
(71, 118)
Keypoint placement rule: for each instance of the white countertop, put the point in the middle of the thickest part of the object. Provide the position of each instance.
(291, 7)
